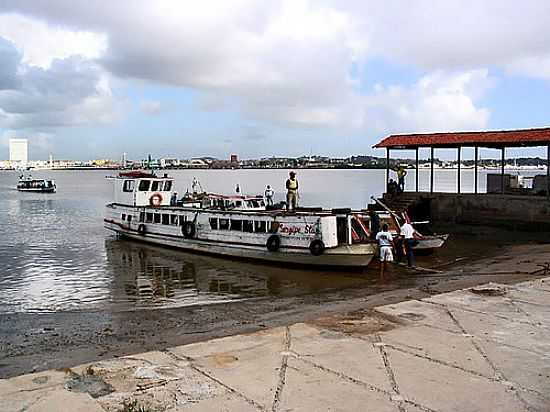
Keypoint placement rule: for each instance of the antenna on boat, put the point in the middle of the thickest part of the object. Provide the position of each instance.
(149, 164)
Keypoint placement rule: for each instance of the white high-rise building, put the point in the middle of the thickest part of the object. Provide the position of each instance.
(19, 155)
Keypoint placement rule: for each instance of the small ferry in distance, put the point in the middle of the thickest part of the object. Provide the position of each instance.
(143, 210)
(28, 184)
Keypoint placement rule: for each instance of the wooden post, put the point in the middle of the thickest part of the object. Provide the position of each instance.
(458, 158)
(417, 171)
(475, 168)
(387, 167)
(502, 170)
(431, 169)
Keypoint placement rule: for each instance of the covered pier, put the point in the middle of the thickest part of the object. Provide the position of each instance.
(492, 139)
(477, 207)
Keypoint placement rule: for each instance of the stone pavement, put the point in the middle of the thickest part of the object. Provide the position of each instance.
(482, 349)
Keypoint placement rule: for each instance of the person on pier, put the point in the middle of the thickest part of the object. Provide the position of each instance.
(401, 173)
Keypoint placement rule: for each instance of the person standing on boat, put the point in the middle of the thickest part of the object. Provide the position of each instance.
(238, 189)
(269, 192)
(384, 239)
(291, 191)
(401, 173)
(195, 186)
(174, 199)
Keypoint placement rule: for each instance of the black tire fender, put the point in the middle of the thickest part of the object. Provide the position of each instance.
(273, 243)
(188, 230)
(142, 229)
(317, 247)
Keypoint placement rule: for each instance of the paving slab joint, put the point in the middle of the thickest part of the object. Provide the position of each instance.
(282, 370)
(389, 372)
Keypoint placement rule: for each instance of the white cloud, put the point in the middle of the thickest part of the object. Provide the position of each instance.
(438, 101)
(41, 43)
(289, 62)
(71, 92)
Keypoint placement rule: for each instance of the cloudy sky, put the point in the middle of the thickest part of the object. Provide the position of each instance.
(90, 79)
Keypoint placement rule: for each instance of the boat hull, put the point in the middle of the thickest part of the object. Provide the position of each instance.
(359, 255)
(431, 242)
(36, 190)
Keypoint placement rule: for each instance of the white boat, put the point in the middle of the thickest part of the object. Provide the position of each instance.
(426, 243)
(28, 184)
(142, 211)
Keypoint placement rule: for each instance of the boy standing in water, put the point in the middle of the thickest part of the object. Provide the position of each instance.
(385, 241)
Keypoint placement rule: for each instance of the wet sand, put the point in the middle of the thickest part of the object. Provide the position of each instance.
(34, 342)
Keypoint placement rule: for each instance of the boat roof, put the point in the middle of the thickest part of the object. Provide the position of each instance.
(231, 197)
(275, 212)
(140, 174)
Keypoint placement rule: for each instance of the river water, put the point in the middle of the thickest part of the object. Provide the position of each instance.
(55, 254)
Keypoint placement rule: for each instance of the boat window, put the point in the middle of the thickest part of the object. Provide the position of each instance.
(165, 219)
(128, 186)
(174, 220)
(182, 219)
(156, 218)
(129, 218)
(213, 223)
(260, 226)
(248, 226)
(156, 186)
(255, 203)
(236, 224)
(124, 216)
(142, 216)
(149, 218)
(167, 185)
(238, 203)
(224, 224)
(144, 185)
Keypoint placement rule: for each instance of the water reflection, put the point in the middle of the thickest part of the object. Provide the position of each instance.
(152, 276)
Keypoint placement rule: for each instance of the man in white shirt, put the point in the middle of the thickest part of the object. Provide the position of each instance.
(385, 242)
(408, 237)
(269, 192)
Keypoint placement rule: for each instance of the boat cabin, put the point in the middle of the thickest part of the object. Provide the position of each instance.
(222, 202)
(142, 189)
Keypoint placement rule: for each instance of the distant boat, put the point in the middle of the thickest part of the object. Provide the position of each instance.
(28, 184)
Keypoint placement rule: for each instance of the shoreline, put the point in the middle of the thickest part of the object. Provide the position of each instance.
(34, 342)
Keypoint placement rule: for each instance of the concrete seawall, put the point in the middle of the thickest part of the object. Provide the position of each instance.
(511, 211)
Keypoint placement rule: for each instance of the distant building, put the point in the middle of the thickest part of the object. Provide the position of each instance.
(198, 163)
(234, 158)
(169, 162)
(19, 155)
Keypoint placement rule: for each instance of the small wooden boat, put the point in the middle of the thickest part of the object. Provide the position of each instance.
(427, 243)
(142, 210)
(28, 184)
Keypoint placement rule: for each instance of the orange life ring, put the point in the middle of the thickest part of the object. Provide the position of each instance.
(155, 199)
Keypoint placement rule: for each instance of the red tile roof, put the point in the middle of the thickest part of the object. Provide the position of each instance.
(509, 138)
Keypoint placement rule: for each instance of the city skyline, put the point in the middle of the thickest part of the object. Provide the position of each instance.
(284, 79)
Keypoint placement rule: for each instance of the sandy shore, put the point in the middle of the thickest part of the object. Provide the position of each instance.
(35, 342)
